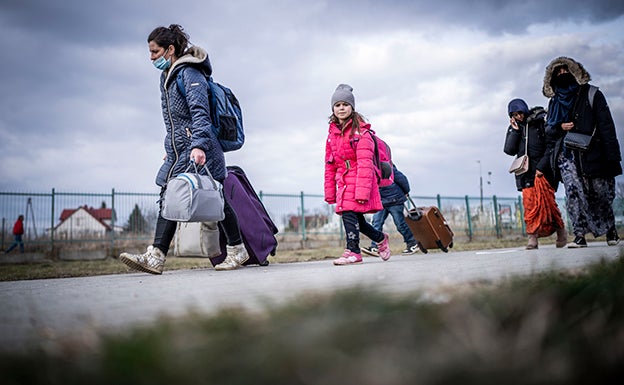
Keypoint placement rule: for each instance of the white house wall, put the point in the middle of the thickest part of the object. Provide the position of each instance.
(80, 224)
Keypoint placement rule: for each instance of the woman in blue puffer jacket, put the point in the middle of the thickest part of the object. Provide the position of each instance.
(188, 137)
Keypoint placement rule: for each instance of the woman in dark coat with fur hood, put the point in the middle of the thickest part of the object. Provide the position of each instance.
(525, 135)
(587, 175)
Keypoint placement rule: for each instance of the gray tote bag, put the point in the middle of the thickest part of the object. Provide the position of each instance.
(193, 197)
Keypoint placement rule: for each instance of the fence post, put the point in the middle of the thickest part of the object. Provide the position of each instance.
(260, 195)
(469, 218)
(52, 222)
(3, 231)
(439, 202)
(303, 224)
(113, 218)
(496, 218)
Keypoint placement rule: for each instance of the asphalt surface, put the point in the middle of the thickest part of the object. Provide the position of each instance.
(41, 313)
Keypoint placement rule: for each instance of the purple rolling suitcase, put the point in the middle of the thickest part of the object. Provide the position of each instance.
(257, 229)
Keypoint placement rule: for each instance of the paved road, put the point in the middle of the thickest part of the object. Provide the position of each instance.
(39, 312)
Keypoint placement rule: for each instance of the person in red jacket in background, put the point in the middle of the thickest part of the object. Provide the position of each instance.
(18, 231)
(350, 176)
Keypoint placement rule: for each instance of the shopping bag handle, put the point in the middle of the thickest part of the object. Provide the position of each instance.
(194, 165)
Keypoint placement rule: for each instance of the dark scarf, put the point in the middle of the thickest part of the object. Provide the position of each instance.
(562, 105)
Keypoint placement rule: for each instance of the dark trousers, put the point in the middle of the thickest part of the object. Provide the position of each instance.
(165, 229)
(398, 217)
(354, 224)
(18, 241)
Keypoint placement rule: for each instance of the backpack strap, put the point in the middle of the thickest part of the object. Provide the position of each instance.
(590, 95)
(182, 89)
(180, 82)
(375, 151)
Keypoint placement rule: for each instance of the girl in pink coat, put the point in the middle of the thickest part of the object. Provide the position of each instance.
(351, 178)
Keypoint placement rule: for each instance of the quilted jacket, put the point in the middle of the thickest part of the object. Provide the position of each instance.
(187, 119)
(350, 172)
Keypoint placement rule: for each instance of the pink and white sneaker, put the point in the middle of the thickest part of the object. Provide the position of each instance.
(348, 258)
(384, 248)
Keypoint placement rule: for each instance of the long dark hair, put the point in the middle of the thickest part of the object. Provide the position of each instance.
(173, 35)
(356, 120)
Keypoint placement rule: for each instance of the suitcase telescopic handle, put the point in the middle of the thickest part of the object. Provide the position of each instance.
(413, 213)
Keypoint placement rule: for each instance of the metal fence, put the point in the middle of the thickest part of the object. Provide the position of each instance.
(57, 218)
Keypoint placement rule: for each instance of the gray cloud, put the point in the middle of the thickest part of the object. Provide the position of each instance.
(80, 107)
(90, 23)
(492, 16)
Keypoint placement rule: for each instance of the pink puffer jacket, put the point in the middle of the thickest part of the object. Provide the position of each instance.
(350, 172)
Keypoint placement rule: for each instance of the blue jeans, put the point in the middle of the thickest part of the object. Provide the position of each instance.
(399, 221)
(18, 241)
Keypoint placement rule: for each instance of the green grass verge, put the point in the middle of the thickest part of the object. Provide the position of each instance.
(553, 328)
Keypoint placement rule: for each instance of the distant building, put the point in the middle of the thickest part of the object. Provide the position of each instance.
(311, 222)
(85, 222)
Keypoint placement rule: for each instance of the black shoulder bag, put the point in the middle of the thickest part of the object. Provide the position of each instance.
(579, 141)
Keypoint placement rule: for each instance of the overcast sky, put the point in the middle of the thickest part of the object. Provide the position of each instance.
(80, 105)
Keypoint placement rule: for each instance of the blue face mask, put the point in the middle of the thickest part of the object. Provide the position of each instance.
(161, 63)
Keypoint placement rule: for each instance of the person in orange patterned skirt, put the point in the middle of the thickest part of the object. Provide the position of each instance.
(538, 186)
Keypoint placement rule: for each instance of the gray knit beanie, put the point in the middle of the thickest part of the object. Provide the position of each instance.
(343, 93)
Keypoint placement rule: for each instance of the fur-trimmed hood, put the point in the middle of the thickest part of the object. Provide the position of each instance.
(195, 56)
(575, 68)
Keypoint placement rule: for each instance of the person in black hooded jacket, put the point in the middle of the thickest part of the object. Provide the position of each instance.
(525, 134)
(587, 175)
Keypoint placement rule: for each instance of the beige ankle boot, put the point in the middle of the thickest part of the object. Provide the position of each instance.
(562, 238)
(152, 261)
(532, 242)
(235, 257)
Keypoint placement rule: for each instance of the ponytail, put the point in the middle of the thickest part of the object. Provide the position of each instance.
(173, 35)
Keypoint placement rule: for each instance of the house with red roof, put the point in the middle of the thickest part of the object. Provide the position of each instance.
(84, 222)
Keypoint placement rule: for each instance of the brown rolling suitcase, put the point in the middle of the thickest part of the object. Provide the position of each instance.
(429, 227)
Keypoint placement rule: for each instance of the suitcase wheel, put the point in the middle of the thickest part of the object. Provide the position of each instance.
(441, 246)
(265, 263)
(451, 245)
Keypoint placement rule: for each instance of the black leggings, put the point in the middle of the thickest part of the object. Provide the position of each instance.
(165, 229)
(354, 224)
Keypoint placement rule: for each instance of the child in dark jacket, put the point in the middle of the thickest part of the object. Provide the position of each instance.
(393, 197)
